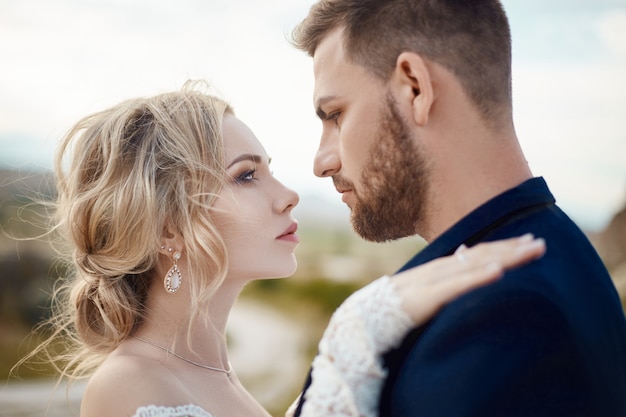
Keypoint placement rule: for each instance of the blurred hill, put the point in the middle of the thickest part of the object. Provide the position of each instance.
(611, 245)
(25, 263)
(333, 262)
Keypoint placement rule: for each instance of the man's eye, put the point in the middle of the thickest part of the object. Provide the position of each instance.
(334, 116)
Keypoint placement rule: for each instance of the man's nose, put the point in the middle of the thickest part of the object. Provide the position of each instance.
(327, 160)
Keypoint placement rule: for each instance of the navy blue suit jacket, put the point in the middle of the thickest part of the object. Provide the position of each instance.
(548, 339)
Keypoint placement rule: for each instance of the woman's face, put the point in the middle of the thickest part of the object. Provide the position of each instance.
(253, 211)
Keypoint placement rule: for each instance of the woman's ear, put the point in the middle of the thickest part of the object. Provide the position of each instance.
(413, 76)
(170, 242)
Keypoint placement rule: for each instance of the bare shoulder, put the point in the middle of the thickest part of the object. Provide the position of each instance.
(126, 382)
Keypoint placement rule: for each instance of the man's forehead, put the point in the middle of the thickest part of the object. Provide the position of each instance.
(327, 65)
(329, 50)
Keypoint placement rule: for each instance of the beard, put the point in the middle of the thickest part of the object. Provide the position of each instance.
(390, 204)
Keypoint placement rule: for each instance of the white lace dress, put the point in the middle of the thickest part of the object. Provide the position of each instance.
(189, 410)
(347, 375)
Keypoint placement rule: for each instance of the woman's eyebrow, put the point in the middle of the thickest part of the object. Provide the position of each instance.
(246, 157)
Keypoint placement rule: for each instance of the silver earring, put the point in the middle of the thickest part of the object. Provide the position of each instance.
(173, 278)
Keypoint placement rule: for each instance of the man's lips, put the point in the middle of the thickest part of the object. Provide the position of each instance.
(345, 192)
(342, 186)
(344, 195)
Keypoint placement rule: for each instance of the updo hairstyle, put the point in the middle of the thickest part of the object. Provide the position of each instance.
(124, 176)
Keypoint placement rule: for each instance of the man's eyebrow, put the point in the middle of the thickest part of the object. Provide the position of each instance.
(318, 109)
(246, 157)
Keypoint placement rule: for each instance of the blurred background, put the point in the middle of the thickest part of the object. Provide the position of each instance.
(62, 59)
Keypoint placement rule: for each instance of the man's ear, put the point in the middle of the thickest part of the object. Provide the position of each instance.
(412, 75)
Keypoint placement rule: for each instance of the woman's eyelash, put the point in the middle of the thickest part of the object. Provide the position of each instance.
(246, 176)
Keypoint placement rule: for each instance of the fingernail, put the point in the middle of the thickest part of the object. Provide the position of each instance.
(527, 237)
(538, 242)
(530, 245)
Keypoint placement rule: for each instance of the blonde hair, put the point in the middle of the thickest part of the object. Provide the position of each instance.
(124, 175)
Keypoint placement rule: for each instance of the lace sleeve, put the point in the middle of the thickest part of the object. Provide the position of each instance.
(188, 410)
(347, 375)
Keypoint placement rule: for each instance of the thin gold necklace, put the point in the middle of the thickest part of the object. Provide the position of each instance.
(200, 365)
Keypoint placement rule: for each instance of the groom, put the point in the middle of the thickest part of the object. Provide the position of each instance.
(415, 102)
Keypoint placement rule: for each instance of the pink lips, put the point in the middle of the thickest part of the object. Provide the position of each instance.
(290, 235)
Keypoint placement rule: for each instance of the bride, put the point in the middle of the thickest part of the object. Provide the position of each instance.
(169, 208)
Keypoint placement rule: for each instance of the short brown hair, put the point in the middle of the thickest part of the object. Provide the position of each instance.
(471, 39)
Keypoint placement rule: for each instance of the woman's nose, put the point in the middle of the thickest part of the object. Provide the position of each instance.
(288, 199)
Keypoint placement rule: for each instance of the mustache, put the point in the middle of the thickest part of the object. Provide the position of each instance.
(341, 183)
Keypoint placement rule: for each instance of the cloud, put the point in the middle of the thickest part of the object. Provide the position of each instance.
(611, 28)
(67, 58)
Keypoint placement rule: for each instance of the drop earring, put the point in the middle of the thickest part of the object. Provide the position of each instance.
(173, 278)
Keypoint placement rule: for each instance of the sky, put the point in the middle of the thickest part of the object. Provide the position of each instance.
(63, 59)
